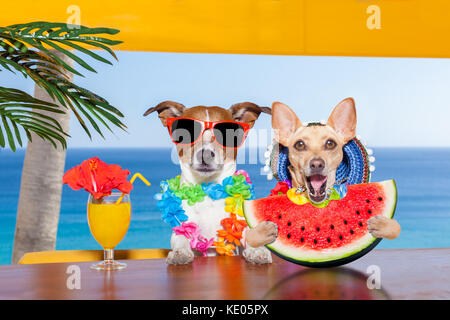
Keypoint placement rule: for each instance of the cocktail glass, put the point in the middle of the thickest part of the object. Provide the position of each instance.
(109, 220)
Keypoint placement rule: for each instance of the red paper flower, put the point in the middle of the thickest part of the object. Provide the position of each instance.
(98, 178)
(281, 188)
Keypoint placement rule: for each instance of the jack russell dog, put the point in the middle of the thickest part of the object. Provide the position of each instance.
(207, 154)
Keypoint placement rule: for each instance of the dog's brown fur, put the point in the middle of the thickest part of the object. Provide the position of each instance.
(317, 150)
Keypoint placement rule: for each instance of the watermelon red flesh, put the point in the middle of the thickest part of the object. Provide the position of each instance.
(321, 235)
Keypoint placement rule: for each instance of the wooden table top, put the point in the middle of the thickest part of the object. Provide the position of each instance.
(404, 274)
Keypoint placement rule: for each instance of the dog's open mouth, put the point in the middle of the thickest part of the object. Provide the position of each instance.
(317, 187)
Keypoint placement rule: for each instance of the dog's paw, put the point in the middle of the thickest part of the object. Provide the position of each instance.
(269, 231)
(382, 227)
(264, 233)
(260, 255)
(180, 256)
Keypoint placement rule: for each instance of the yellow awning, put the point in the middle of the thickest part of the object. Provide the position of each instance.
(391, 28)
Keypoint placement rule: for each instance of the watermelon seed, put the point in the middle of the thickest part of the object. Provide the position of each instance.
(279, 217)
(302, 239)
(367, 200)
(289, 223)
(345, 221)
(318, 229)
(369, 211)
(288, 235)
(332, 227)
(340, 237)
(380, 198)
(351, 231)
(315, 241)
(360, 224)
(329, 240)
(303, 228)
(357, 211)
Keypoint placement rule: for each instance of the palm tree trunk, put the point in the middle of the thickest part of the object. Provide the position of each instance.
(40, 189)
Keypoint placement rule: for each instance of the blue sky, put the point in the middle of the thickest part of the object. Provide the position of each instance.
(400, 102)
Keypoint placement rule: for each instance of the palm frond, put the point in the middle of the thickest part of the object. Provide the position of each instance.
(20, 110)
(29, 49)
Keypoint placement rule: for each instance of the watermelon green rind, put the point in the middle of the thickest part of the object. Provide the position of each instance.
(336, 256)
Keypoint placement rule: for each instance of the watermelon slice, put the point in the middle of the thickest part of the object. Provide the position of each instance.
(329, 236)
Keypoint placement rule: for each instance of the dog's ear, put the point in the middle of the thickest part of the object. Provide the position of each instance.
(167, 109)
(343, 119)
(247, 112)
(284, 122)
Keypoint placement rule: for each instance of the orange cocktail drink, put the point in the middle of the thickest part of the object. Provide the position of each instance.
(109, 213)
(109, 221)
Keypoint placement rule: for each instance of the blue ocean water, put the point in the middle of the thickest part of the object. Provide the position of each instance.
(422, 177)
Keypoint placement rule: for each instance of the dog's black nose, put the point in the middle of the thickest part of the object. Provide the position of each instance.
(317, 164)
(205, 156)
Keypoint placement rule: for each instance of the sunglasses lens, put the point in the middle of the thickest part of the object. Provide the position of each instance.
(185, 131)
(229, 134)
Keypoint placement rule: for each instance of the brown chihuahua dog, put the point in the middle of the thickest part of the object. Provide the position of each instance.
(208, 155)
(315, 153)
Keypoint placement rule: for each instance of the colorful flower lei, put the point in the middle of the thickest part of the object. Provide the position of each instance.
(191, 231)
(234, 189)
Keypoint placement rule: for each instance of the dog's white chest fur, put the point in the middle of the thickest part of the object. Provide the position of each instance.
(207, 215)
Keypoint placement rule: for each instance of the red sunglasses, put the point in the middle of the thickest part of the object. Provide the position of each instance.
(187, 131)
